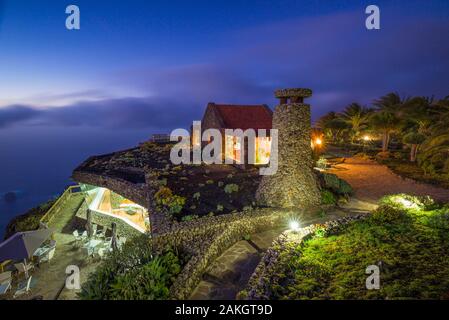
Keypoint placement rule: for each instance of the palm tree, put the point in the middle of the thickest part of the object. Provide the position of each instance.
(386, 123)
(390, 102)
(435, 149)
(356, 117)
(332, 126)
(414, 139)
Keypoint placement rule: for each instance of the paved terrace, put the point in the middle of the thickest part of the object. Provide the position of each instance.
(49, 278)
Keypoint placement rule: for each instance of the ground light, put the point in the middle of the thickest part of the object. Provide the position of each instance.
(294, 225)
(407, 203)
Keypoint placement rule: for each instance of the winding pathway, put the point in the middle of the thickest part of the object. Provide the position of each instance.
(372, 180)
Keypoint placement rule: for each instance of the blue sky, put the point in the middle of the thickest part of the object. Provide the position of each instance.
(157, 63)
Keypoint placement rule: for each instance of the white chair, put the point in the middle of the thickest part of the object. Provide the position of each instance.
(5, 286)
(23, 287)
(77, 236)
(101, 233)
(22, 268)
(48, 255)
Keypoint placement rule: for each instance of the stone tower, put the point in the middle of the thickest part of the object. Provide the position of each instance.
(294, 184)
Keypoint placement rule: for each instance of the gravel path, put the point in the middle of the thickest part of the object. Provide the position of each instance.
(371, 181)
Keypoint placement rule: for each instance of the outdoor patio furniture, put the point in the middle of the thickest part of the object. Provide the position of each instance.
(24, 287)
(46, 252)
(22, 245)
(22, 268)
(5, 276)
(101, 233)
(5, 286)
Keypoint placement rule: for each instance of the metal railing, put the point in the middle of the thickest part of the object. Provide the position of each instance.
(58, 205)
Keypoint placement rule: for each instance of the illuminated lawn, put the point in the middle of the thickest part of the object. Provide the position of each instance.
(410, 237)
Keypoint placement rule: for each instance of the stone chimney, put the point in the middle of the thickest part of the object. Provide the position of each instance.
(294, 184)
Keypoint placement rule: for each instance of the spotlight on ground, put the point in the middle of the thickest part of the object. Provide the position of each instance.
(294, 226)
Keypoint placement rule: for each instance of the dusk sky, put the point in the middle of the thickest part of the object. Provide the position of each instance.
(142, 67)
(156, 64)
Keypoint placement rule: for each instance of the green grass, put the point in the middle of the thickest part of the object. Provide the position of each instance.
(413, 246)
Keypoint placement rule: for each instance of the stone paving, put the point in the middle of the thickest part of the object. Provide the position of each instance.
(49, 278)
(230, 273)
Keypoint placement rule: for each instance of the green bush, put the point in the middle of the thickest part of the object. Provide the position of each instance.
(134, 272)
(166, 199)
(230, 188)
(387, 214)
(327, 197)
(335, 184)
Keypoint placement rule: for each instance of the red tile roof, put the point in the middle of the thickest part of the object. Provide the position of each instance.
(244, 116)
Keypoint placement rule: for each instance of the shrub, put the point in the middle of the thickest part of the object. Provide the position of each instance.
(166, 199)
(407, 202)
(322, 163)
(386, 214)
(189, 217)
(335, 184)
(230, 188)
(327, 197)
(133, 272)
(384, 155)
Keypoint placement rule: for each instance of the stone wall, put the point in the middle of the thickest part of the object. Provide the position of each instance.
(135, 192)
(207, 238)
(123, 229)
(294, 183)
(259, 283)
(139, 193)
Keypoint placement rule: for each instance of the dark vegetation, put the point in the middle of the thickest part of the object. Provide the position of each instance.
(29, 220)
(410, 135)
(135, 272)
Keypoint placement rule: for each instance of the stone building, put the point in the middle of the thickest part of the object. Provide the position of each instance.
(226, 116)
(294, 184)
